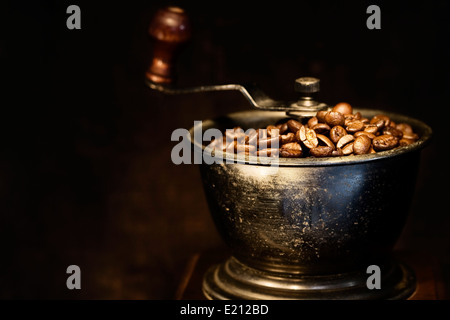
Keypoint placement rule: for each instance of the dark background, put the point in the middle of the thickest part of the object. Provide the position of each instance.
(85, 170)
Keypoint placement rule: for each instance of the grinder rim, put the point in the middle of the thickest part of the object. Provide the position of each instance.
(425, 134)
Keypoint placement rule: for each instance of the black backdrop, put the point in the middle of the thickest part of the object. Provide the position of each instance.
(85, 170)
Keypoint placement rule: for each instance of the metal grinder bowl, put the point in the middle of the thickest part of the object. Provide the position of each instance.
(309, 228)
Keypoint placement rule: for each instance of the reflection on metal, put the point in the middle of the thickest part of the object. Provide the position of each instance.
(235, 280)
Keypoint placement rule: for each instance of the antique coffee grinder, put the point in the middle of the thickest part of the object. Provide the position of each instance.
(307, 228)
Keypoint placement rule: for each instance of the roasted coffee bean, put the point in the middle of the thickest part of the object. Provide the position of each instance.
(336, 133)
(308, 137)
(357, 116)
(292, 145)
(347, 149)
(378, 123)
(355, 126)
(294, 125)
(321, 151)
(364, 133)
(352, 117)
(337, 153)
(287, 138)
(371, 128)
(334, 118)
(384, 142)
(321, 128)
(321, 116)
(344, 140)
(405, 128)
(300, 134)
(325, 140)
(362, 144)
(386, 120)
(343, 107)
(312, 122)
(411, 136)
(291, 150)
(393, 131)
(365, 120)
(290, 153)
(311, 138)
(283, 127)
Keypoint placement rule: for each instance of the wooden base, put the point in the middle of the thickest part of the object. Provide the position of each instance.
(426, 269)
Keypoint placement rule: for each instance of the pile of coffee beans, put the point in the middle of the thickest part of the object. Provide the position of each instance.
(333, 133)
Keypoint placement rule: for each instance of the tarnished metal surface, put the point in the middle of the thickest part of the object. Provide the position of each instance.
(310, 218)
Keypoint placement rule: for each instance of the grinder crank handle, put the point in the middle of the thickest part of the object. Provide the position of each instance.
(171, 28)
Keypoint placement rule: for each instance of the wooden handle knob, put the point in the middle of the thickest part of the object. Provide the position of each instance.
(170, 28)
